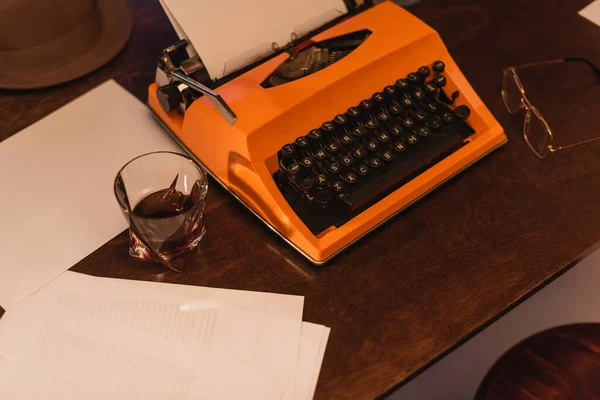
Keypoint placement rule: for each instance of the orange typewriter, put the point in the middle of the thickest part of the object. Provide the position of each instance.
(330, 135)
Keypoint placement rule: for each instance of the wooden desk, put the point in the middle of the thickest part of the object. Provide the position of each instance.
(440, 272)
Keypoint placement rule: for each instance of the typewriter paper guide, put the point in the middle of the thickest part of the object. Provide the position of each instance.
(230, 34)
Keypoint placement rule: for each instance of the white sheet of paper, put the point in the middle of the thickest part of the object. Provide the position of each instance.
(592, 12)
(229, 34)
(58, 204)
(313, 341)
(70, 355)
(201, 319)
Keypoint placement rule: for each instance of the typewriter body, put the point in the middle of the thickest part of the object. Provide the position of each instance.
(330, 137)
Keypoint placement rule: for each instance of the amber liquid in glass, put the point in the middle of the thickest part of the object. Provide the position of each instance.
(168, 221)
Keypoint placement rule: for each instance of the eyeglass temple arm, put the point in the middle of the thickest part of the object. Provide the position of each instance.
(554, 149)
(559, 60)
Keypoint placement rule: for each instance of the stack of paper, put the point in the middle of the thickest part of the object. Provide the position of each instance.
(87, 337)
(72, 336)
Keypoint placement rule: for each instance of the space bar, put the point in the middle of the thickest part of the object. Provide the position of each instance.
(405, 170)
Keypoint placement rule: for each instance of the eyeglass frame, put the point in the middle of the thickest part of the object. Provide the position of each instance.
(526, 105)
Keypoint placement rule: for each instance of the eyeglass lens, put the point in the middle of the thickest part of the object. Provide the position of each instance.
(511, 93)
(535, 130)
(536, 133)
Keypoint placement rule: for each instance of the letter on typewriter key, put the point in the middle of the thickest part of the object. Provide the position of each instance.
(387, 156)
(359, 131)
(447, 117)
(350, 177)
(301, 142)
(288, 150)
(334, 168)
(375, 162)
(362, 170)
(402, 83)
(321, 180)
(359, 152)
(346, 161)
(337, 187)
(423, 132)
(346, 139)
(319, 154)
(399, 146)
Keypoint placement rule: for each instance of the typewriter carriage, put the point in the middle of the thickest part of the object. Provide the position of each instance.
(243, 157)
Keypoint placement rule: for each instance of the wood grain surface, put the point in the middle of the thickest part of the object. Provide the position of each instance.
(439, 272)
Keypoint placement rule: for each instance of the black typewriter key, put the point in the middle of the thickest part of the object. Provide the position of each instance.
(440, 81)
(346, 161)
(399, 147)
(340, 119)
(375, 162)
(306, 162)
(353, 112)
(346, 139)
(423, 132)
(383, 137)
(320, 155)
(362, 170)
(430, 88)
(387, 156)
(424, 72)
(359, 132)
(390, 91)
(412, 139)
(372, 145)
(395, 110)
(288, 150)
(396, 130)
(383, 116)
(328, 126)
(366, 104)
(408, 122)
(333, 147)
(321, 180)
(434, 124)
(406, 102)
(301, 142)
(412, 77)
(307, 183)
(432, 107)
(420, 116)
(462, 112)
(334, 168)
(419, 95)
(293, 168)
(439, 66)
(402, 83)
(322, 195)
(359, 152)
(371, 124)
(314, 134)
(378, 98)
(337, 186)
(350, 177)
(447, 117)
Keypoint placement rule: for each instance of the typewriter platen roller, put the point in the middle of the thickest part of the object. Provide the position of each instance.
(332, 136)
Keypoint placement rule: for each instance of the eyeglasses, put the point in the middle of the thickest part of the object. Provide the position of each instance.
(536, 131)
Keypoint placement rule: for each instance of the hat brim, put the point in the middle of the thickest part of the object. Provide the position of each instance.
(117, 23)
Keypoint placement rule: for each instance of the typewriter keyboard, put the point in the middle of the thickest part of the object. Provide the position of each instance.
(347, 164)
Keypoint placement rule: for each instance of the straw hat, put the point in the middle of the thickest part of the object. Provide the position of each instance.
(47, 42)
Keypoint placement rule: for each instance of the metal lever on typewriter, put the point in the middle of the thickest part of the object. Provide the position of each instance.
(180, 74)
